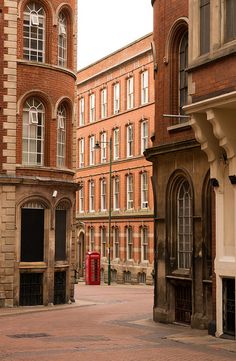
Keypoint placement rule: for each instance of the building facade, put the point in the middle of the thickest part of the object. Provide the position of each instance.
(116, 111)
(212, 77)
(183, 195)
(37, 187)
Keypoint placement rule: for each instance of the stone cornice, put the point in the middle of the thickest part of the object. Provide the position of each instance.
(151, 153)
(47, 66)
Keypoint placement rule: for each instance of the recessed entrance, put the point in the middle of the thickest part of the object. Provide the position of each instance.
(229, 306)
(59, 288)
(183, 303)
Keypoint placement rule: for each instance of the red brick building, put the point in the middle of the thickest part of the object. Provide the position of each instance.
(37, 188)
(116, 107)
(181, 181)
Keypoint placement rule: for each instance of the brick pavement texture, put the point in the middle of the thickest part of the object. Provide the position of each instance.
(106, 323)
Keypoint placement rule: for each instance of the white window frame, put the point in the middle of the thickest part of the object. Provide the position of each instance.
(103, 233)
(130, 140)
(116, 193)
(62, 40)
(61, 136)
(130, 191)
(92, 108)
(91, 196)
(103, 190)
(144, 190)
(116, 144)
(129, 243)
(34, 32)
(144, 244)
(92, 150)
(81, 200)
(130, 93)
(144, 135)
(116, 243)
(144, 87)
(81, 153)
(103, 147)
(81, 111)
(104, 103)
(116, 97)
(91, 239)
(33, 132)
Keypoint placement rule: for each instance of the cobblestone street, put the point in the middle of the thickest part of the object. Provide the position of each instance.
(105, 323)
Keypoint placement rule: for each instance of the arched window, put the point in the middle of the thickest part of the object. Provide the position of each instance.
(184, 225)
(33, 132)
(34, 32)
(62, 40)
(183, 75)
(61, 136)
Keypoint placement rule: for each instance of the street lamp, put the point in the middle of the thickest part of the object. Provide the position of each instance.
(98, 146)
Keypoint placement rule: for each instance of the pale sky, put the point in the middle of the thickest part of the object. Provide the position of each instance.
(105, 26)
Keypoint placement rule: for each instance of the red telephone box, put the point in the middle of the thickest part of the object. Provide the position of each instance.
(92, 268)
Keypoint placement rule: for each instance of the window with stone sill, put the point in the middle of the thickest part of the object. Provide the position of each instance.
(34, 32)
(116, 193)
(81, 200)
(116, 242)
(103, 186)
(81, 153)
(144, 244)
(33, 132)
(91, 239)
(81, 111)
(104, 103)
(130, 93)
(130, 191)
(91, 196)
(61, 136)
(129, 243)
(130, 141)
(62, 40)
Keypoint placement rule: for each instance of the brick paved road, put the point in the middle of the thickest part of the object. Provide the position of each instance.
(108, 323)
